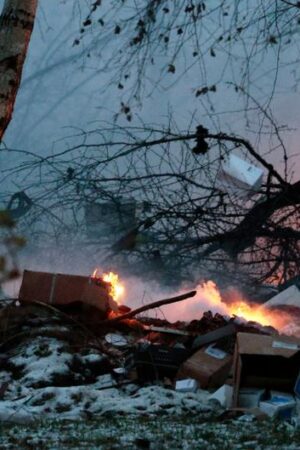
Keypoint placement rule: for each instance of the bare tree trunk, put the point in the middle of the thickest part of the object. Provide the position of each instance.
(16, 25)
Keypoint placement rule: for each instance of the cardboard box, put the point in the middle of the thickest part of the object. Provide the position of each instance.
(223, 395)
(63, 289)
(187, 385)
(267, 362)
(283, 408)
(210, 366)
(277, 396)
(288, 297)
(250, 397)
(239, 176)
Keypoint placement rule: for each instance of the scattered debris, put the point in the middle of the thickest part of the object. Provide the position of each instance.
(102, 358)
(166, 330)
(156, 362)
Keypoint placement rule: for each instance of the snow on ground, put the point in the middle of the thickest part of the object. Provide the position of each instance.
(59, 389)
(46, 379)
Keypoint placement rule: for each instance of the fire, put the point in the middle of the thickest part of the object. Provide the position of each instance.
(209, 298)
(241, 308)
(255, 314)
(116, 287)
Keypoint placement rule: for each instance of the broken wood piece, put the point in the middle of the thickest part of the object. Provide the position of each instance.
(214, 336)
(167, 330)
(153, 305)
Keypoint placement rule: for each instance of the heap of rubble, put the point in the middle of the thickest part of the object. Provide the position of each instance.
(60, 352)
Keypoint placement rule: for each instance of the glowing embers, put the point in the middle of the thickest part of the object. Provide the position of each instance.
(117, 289)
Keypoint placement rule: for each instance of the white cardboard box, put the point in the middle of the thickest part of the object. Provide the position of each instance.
(186, 385)
(250, 397)
(223, 395)
(283, 408)
(288, 297)
(239, 177)
(281, 396)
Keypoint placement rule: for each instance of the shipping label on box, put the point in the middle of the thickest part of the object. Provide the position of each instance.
(215, 352)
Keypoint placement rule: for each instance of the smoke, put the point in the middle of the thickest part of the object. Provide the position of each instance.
(139, 292)
(68, 258)
(207, 298)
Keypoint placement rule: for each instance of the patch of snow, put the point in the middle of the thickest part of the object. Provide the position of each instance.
(42, 359)
(92, 358)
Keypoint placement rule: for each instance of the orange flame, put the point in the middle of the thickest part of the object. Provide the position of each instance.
(255, 313)
(116, 287)
(241, 308)
(208, 297)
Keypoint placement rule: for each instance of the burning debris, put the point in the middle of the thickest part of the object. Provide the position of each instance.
(116, 289)
(72, 331)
